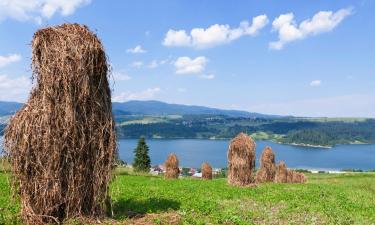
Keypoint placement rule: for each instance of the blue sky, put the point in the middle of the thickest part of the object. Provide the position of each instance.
(303, 58)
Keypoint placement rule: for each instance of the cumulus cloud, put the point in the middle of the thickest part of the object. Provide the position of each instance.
(214, 35)
(14, 89)
(181, 90)
(6, 60)
(137, 64)
(156, 63)
(147, 94)
(315, 83)
(137, 49)
(288, 30)
(207, 76)
(121, 76)
(23, 10)
(187, 65)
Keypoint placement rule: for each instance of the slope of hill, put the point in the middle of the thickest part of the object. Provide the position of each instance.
(324, 199)
(162, 108)
(9, 108)
(153, 108)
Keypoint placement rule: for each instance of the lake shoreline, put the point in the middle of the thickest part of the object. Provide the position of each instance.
(271, 140)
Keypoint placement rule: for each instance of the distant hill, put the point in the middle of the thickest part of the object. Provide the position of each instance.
(9, 108)
(162, 108)
(153, 108)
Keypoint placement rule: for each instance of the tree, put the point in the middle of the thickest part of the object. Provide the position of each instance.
(142, 162)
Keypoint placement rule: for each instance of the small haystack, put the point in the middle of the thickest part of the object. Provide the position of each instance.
(171, 166)
(241, 160)
(291, 176)
(206, 171)
(281, 173)
(62, 143)
(298, 177)
(267, 170)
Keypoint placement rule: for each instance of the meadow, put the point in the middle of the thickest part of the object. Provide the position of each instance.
(144, 199)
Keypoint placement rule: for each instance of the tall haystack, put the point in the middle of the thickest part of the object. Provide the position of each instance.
(206, 171)
(281, 173)
(62, 143)
(267, 170)
(171, 166)
(241, 160)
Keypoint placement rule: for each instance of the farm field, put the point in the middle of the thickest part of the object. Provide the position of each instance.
(144, 199)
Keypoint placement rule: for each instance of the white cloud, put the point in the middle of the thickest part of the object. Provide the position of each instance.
(121, 76)
(6, 60)
(177, 38)
(136, 49)
(156, 63)
(289, 30)
(147, 94)
(186, 65)
(23, 10)
(14, 89)
(315, 83)
(207, 76)
(181, 90)
(137, 64)
(214, 35)
(153, 64)
(356, 105)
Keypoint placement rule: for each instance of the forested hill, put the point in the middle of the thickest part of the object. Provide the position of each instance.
(155, 108)
(302, 131)
(158, 108)
(154, 119)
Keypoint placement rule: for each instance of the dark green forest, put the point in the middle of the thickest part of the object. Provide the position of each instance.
(289, 130)
(286, 130)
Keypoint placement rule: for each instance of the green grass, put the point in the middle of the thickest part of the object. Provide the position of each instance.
(325, 199)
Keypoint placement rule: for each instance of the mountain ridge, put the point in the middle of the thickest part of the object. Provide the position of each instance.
(153, 107)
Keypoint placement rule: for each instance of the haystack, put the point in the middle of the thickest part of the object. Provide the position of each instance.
(206, 171)
(62, 142)
(298, 177)
(241, 160)
(291, 176)
(281, 173)
(171, 166)
(267, 170)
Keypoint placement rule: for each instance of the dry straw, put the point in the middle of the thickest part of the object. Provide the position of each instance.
(62, 143)
(206, 171)
(171, 165)
(281, 173)
(267, 170)
(241, 160)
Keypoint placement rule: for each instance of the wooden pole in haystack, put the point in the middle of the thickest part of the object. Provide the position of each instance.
(267, 170)
(281, 173)
(206, 171)
(241, 160)
(62, 142)
(171, 165)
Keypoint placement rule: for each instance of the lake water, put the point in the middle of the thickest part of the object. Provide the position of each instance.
(192, 153)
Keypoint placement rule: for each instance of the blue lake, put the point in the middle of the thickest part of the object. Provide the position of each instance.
(192, 153)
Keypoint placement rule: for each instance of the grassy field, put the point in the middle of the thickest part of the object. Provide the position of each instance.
(137, 199)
